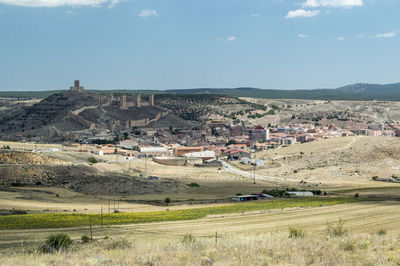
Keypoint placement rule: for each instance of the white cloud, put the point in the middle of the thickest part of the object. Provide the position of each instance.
(302, 13)
(229, 39)
(386, 35)
(56, 3)
(340, 38)
(333, 3)
(301, 35)
(147, 13)
(360, 36)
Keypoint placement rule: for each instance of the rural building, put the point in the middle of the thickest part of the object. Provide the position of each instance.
(259, 133)
(128, 144)
(154, 151)
(245, 198)
(259, 162)
(204, 155)
(105, 151)
(238, 146)
(289, 141)
(237, 154)
(180, 151)
(291, 194)
(245, 160)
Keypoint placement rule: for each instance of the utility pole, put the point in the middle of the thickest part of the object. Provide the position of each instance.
(254, 167)
(145, 164)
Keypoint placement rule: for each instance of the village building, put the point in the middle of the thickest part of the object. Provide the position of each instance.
(258, 134)
(154, 151)
(237, 154)
(128, 144)
(180, 151)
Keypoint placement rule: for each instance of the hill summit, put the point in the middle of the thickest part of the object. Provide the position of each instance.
(60, 115)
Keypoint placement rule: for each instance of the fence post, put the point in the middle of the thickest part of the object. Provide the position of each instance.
(91, 233)
(101, 216)
(216, 237)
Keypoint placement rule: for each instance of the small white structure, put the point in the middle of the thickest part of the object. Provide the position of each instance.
(49, 150)
(128, 144)
(298, 194)
(154, 150)
(205, 155)
(259, 162)
(245, 160)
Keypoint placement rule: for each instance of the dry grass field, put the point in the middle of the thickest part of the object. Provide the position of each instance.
(336, 162)
(371, 237)
(341, 166)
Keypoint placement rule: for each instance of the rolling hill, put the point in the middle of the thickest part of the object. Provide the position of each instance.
(353, 92)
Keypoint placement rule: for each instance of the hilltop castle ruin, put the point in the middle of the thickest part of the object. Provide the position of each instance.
(77, 86)
(109, 104)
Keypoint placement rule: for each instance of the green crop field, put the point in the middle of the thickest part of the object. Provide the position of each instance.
(57, 220)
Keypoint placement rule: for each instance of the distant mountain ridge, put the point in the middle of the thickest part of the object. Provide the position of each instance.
(354, 92)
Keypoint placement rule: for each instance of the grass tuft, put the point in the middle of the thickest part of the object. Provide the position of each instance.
(296, 233)
(336, 229)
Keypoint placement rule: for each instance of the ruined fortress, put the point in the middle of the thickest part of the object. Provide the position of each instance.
(133, 111)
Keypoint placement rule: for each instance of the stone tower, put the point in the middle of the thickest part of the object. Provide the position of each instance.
(138, 101)
(77, 86)
(151, 100)
(122, 104)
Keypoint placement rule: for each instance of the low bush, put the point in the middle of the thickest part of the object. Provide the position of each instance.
(193, 185)
(92, 160)
(381, 232)
(56, 242)
(167, 200)
(85, 239)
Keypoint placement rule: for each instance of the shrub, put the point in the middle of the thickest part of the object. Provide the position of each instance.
(348, 246)
(120, 243)
(92, 160)
(356, 195)
(381, 232)
(6, 147)
(336, 229)
(296, 233)
(167, 200)
(193, 185)
(375, 178)
(188, 239)
(85, 239)
(56, 242)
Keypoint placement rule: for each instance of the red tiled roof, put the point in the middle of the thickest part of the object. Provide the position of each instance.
(232, 151)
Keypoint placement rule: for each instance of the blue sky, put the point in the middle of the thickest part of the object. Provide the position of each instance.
(172, 44)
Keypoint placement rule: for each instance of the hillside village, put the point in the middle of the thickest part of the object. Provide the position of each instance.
(195, 133)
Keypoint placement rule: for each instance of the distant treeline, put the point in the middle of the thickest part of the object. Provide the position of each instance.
(355, 92)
